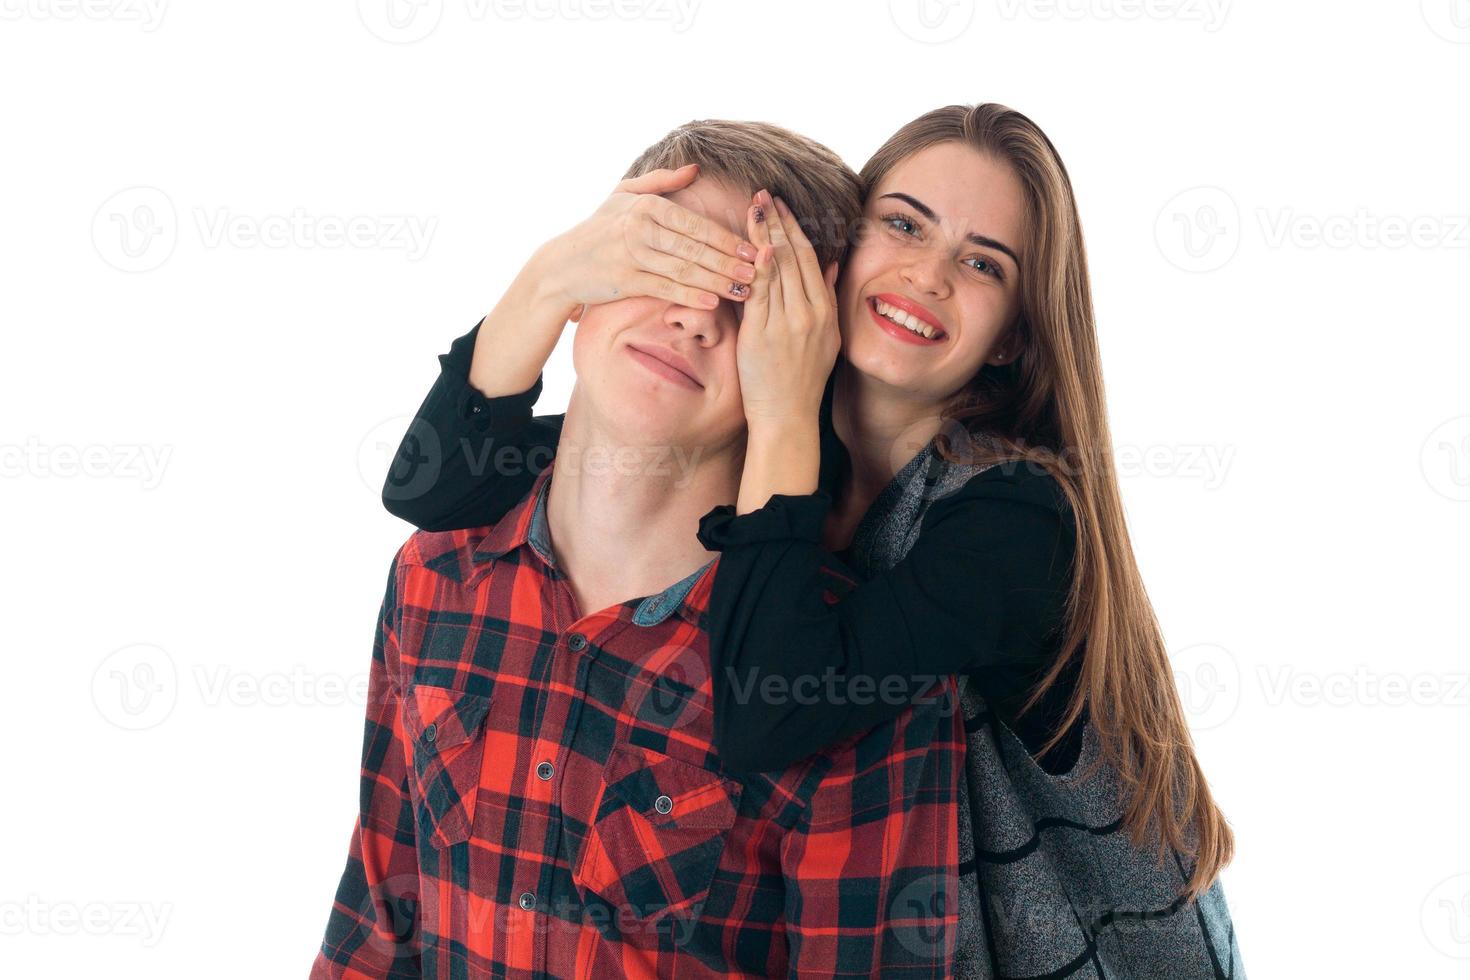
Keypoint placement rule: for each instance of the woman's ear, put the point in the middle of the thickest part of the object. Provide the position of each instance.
(830, 275)
(1008, 347)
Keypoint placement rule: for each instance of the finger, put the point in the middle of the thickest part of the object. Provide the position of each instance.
(681, 221)
(649, 284)
(806, 256)
(690, 273)
(727, 270)
(829, 275)
(789, 272)
(757, 308)
(758, 225)
(660, 181)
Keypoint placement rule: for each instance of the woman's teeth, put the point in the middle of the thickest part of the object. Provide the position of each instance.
(906, 320)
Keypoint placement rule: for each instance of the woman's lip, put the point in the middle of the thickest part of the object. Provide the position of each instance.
(918, 310)
(902, 333)
(664, 370)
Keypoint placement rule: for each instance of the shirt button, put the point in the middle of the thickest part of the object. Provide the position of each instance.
(528, 901)
(544, 770)
(576, 641)
(431, 733)
(475, 409)
(663, 804)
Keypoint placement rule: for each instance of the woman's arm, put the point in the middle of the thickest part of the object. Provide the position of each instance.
(467, 459)
(787, 345)
(983, 591)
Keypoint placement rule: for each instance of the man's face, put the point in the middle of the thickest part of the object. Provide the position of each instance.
(621, 349)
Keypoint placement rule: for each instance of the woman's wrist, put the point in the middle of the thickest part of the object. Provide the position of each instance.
(543, 278)
(518, 335)
(782, 456)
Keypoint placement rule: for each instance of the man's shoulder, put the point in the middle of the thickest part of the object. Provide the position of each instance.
(449, 554)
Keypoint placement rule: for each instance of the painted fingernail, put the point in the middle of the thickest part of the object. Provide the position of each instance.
(738, 289)
(746, 251)
(746, 272)
(781, 206)
(710, 300)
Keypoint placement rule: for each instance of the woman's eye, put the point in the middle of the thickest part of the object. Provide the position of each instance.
(904, 225)
(986, 266)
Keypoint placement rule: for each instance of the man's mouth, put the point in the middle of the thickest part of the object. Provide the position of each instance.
(658, 361)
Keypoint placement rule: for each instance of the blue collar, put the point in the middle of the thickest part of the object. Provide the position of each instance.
(652, 610)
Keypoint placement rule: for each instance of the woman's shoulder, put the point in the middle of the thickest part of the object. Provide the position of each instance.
(1003, 488)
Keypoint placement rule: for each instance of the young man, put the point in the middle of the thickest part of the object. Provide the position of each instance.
(539, 793)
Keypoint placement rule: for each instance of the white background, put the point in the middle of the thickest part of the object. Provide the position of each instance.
(197, 411)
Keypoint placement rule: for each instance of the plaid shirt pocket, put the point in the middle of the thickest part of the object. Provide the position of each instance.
(444, 727)
(659, 831)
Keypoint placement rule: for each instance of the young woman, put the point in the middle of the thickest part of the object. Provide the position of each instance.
(956, 460)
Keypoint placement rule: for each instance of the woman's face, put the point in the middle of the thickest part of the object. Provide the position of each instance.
(939, 241)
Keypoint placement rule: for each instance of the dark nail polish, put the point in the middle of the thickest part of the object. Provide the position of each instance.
(760, 213)
(738, 289)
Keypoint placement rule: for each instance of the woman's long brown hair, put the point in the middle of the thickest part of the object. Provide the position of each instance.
(1047, 408)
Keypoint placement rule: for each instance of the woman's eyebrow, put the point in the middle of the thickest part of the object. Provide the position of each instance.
(982, 240)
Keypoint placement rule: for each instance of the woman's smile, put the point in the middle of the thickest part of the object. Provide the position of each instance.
(906, 320)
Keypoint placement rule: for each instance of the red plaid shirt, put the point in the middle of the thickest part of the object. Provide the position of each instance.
(540, 797)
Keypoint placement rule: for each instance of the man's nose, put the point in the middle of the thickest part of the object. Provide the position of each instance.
(702, 326)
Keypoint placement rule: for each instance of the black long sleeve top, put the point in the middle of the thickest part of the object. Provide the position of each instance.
(981, 592)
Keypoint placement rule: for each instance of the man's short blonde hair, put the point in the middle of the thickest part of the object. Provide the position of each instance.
(823, 193)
